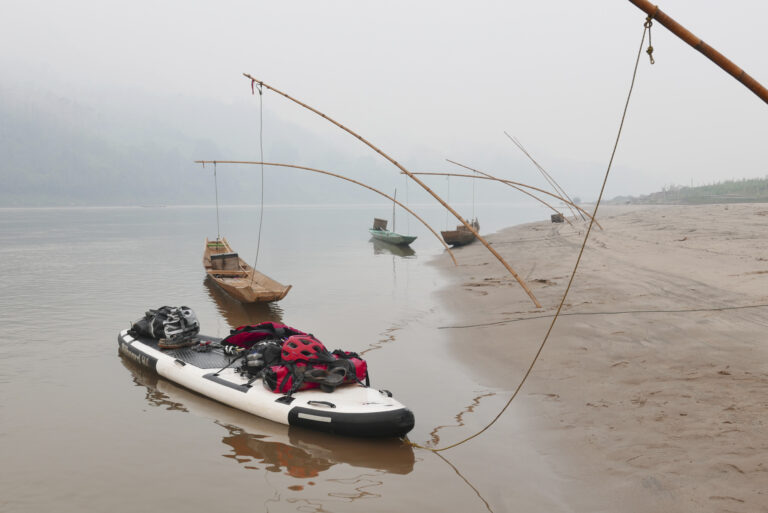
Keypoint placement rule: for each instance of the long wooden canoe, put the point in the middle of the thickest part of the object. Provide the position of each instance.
(236, 277)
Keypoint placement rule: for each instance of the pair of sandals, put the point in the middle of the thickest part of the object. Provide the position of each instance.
(328, 379)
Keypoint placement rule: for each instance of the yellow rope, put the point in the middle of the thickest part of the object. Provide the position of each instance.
(573, 274)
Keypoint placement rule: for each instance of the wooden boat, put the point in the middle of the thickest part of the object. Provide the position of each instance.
(236, 277)
(380, 232)
(461, 235)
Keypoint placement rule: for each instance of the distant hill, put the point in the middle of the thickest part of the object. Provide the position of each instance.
(113, 147)
(748, 190)
(138, 150)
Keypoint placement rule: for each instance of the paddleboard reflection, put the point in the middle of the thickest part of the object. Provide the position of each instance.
(257, 443)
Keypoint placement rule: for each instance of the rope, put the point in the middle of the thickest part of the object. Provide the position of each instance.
(621, 312)
(473, 198)
(573, 274)
(407, 217)
(477, 492)
(216, 188)
(448, 200)
(648, 25)
(261, 159)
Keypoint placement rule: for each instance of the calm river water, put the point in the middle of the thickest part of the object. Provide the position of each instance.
(83, 430)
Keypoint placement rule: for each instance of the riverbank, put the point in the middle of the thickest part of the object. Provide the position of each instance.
(652, 391)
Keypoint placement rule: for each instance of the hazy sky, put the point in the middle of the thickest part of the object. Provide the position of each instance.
(428, 80)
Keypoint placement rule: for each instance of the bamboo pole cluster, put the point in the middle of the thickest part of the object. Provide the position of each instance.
(469, 227)
(361, 184)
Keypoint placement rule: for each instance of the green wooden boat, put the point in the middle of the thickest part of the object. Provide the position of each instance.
(380, 232)
(391, 237)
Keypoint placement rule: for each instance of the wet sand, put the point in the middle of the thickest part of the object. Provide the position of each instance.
(652, 391)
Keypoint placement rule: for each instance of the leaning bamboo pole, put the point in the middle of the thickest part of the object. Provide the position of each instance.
(361, 184)
(486, 176)
(412, 177)
(482, 173)
(547, 176)
(654, 13)
(514, 185)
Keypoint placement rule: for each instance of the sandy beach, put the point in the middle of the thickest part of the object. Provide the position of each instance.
(651, 394)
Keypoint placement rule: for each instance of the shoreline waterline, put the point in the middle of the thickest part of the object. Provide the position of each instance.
(610, 390)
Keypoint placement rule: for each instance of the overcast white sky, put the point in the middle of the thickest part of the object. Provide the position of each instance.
(428, 80)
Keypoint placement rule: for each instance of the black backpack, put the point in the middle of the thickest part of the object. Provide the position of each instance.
(175, 324)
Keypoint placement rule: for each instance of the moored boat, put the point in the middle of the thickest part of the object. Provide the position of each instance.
(380, 232)
(461, 235)
(236, 277)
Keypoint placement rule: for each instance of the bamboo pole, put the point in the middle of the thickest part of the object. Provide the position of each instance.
(547, 176)
(710, 53)
(524, 192)
(511, 184)
(274, 164)
(489, 177)
(412, 177)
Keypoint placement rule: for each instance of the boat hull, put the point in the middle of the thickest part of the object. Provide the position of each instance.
(243, 291)
(461, 236)
(458, 237)
(392, 237)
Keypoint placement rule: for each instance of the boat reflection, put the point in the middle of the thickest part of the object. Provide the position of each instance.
(385, 248)
(240, 314)
(260, 444)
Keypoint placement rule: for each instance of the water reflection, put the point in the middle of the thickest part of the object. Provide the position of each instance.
(385, 248)
(459, 417)
(249, 449)
(259, 444)
(468, 483)
(240, 314)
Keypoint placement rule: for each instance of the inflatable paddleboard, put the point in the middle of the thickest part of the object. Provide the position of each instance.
(351, 409)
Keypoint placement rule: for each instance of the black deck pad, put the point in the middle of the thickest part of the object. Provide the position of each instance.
(213, 359)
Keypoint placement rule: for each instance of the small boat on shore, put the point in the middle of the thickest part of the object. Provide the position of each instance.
(236, 277)
(461, 236)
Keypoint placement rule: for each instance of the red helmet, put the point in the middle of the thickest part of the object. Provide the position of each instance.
(305, 348)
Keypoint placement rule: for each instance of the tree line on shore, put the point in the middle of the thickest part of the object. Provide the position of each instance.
(745, 190)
